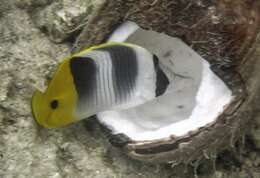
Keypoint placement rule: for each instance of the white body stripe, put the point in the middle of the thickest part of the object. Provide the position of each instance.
(104, 97)
(145, 81)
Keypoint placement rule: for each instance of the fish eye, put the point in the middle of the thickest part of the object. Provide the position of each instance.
(54, 104)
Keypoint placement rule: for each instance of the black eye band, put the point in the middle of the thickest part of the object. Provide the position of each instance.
(54, 104)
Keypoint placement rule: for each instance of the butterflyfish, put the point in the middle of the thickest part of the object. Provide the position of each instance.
(111, 76)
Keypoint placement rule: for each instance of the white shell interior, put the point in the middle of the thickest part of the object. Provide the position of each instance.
(194, 98)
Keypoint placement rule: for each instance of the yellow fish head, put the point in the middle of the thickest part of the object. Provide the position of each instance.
(56, 106)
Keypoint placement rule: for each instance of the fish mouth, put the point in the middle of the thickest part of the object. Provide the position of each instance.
(37, 109)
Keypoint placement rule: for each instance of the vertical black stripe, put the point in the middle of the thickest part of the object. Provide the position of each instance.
(104, 80)
(162, 81)
(124, 69)
(83, 70)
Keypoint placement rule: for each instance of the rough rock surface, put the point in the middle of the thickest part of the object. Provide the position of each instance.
(62, 18)
(27, 55)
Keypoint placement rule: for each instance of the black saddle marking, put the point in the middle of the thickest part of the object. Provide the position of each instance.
(162, 80)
